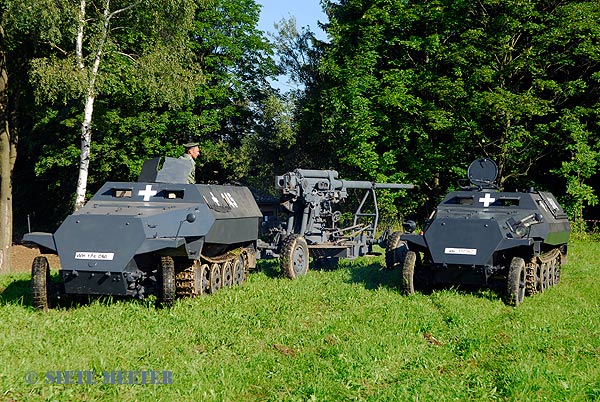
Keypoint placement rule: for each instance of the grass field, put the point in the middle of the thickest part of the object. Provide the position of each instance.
(345, 334)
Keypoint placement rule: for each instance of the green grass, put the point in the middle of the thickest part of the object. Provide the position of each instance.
(345, 334)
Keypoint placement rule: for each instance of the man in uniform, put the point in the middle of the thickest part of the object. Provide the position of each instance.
(191, 153)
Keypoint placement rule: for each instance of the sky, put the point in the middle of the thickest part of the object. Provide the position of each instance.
(307, 13)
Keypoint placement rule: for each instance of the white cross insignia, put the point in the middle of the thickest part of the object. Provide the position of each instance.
(148, 192)
(487, 200)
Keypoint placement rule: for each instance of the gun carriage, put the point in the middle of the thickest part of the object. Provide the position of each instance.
(310, 200)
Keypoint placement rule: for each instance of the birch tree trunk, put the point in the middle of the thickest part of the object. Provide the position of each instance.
(86, 125)
(8, 154)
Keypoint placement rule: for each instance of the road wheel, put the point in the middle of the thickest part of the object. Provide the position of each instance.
(204, 279)
(227, 274)
(239, 271)
(395, 251)
(167, 281)
(551, 272)
(557, 269)
(543, 276)
(215, 280)
(199, 278)
(40, 282)
(408, 273)
(294, 257)
(515, 285)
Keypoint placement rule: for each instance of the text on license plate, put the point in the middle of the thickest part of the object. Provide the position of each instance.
(461, 251)
(93, 255)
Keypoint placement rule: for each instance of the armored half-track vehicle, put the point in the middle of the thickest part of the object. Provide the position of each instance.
(484, 237)
(310, 200)
(155, 236)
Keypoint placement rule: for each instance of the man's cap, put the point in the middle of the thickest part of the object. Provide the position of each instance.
(190, 144)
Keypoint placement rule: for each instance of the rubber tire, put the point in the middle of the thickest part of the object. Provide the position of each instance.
(395, 251)
(168, 289)
(40, 283)
(294, 258)
(227, 274)
(216, 280)
(515, 283)
(407, 285)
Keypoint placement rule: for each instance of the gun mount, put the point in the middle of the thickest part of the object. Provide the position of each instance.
(310, 201)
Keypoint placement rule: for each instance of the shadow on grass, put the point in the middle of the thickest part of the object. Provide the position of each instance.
(269, 267)
(373, 276)
(19, 292)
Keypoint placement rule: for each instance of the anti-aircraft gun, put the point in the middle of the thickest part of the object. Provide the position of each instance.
(310, 200)
(158, 236)
(480, 236)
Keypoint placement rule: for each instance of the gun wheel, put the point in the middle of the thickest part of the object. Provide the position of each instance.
(408, 273)
(294, 256)
(168, 286)
(215, 278)
(515, 285)
(40, 282)
(227, 274)
(395, 251)
(239, 271)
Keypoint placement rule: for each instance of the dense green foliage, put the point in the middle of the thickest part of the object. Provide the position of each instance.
(402, 91)
(419, 89)
(336, 335)
(172, 72)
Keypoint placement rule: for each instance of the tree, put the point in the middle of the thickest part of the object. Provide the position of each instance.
(418, 89)
(157, 88)
(7, 162)
(120, 35)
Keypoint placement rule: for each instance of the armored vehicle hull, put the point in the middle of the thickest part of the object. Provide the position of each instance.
(168, 239)
(484, 237)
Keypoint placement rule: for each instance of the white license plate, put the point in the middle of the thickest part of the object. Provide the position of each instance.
(461, 251)
(93, 255)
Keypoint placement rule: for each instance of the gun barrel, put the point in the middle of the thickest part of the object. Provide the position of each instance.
(368, 185)
(317, 174)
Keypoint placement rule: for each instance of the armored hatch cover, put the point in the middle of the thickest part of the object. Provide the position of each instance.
(483, 172)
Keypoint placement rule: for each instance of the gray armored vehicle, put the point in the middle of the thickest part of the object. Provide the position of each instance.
(484, 237)
(311, 225)
(155, 236)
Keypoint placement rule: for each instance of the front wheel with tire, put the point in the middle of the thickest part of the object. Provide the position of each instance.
(167, 281)
(408, 273)
(40, 282)
(395, 251)
(294, 257)
(515, 285)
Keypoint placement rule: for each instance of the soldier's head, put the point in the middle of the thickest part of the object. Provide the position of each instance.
(192, 149)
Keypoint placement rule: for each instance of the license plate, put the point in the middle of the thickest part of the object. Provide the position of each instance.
(461, 251)
(93, 255)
